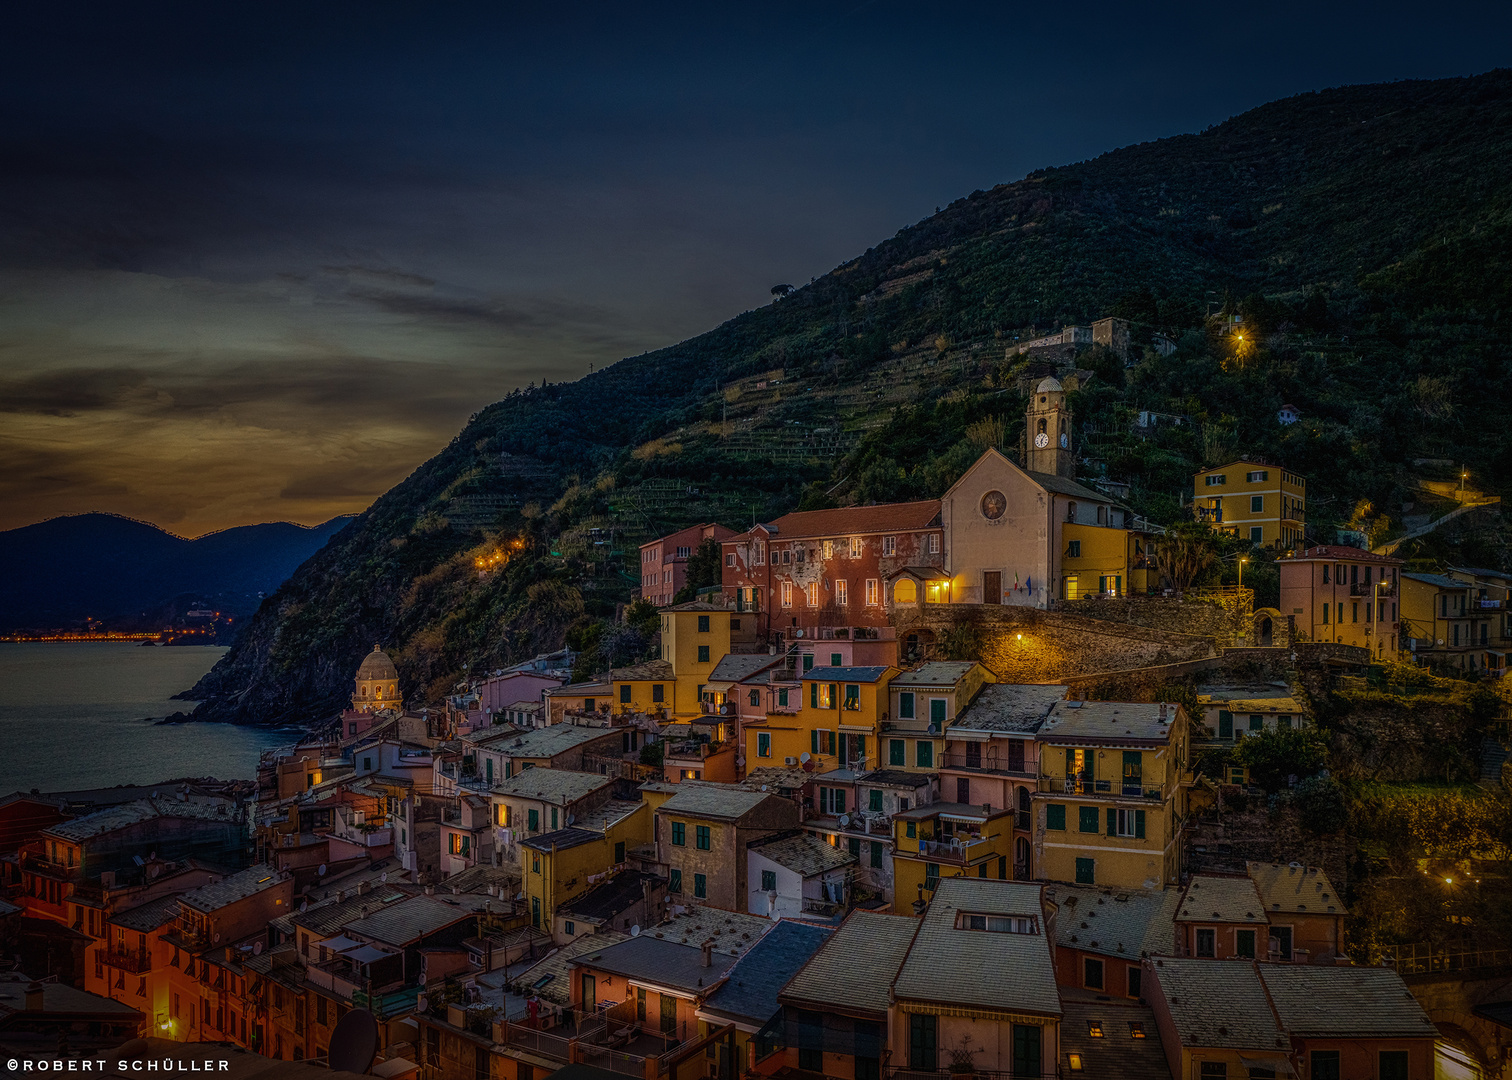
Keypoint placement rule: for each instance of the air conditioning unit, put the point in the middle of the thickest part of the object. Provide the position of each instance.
(790, 761)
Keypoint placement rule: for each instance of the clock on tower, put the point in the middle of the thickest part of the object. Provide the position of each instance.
(1048, 424)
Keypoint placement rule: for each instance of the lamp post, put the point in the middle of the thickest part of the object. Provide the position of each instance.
(1242, 561)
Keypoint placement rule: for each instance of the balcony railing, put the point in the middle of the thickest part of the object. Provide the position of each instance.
(1362, 588)
(986, 1074)
(41, 864)
(954, 850)
(135, 961)
(954, 759)
(1114, 789)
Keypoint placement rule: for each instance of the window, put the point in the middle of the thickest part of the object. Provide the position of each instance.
(1214, 1070)
(836, 660)
(910, 829)
(1092, 974)
(821, 741)
(1135, 985)
(842, 592)
(679, 833)
(924, 754)
(570, 927)
(811, 593)
(873, 591)
(1206, 942)
(658, 693)
(1325, 1065)
(1084, 872)
(811, 1058)
(855, 547)
(897, 752)
(825, 696)
(876, 854)
(922, 1046)
(703, 654)
(1257, 504)
(1258, 477)
(931, 875)
(1055, 817)
(700, 886)
(769, 881)
(934, 543)
(764, 744)
(625, 694)
(674, 881)
(1126, 823)
(1086, 819)
(701, 838)
(787, 594)
(1354, 614)
(1244, 943)
(874, 800)
(1281, 941)
(535, 863)
(1217, 480)
(829, 549)
(760, 553)
(1257, 534)
(937, 713)
(889, 545)
(1073, 549)
(832, 801)
(533, 820)
(703, 624)
(1393, 1065)
(782, 697)
(852, 696)
(906, 705)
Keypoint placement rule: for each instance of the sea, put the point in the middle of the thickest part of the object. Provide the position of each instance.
(77, 715)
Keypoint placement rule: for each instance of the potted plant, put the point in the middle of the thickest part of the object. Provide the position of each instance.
(961, 1063)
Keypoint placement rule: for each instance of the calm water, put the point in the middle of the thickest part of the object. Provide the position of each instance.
(71, 716)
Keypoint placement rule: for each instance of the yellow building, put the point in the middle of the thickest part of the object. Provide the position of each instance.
(1111, 797)
(555, 866)
(649, 688)
(947, 840)
(695, 637)
(1450, 621)
(1261, 503)
(836, 725)
(922, 703)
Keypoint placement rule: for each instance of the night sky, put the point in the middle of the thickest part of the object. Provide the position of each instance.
(258, 261)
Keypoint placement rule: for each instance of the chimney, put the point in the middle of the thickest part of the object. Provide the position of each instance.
(430, 890)
(363, 887)
(35, 997)
(920, 905)
(708, 953)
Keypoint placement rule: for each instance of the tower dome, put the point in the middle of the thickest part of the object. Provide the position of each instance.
(377, 683)
(1049, 385)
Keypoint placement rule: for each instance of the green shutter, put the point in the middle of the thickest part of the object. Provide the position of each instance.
(834, 695)
(1055, 816)
(1139, 824)
(814, 739)
(860, 746)
(1112, 822)
(1086, 819)
(813, 695)
(1225, 724)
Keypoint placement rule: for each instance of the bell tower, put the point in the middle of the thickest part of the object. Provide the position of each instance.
(1047, 432)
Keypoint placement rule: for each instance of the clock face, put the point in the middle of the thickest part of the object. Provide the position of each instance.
(993, 505)
(1042, 440)
(1065, 440)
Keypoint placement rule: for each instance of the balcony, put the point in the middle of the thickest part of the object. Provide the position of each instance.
(955, 850)
(1002, 765)
(1362, 588)
(1108, 789)
(136, 961)
(1207, 513)
(37, 863)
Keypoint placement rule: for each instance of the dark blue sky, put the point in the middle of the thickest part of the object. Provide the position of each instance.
(259, 261)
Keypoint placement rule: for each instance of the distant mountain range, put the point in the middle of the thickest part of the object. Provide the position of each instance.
(117, 570)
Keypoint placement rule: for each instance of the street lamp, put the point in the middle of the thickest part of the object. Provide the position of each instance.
(1242, 561)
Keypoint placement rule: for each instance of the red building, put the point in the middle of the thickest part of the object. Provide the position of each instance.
(664, 562)
(822, 573)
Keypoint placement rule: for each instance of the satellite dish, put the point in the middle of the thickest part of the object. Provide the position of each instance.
(844, 820)
(804, 757)
(304, 906)
(763, 787)
(257, 948)
(383, 877)
(217, 939)
(931, 729)
(354, 1043)
(797, 633)
(635, 930)
(571, 818)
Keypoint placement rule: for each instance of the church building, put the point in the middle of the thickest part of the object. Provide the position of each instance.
(377, 683)
(1030, 534)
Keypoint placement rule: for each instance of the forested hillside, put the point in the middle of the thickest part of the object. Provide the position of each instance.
(1361, 234)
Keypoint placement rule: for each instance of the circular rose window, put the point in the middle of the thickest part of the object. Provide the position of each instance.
(993, 505)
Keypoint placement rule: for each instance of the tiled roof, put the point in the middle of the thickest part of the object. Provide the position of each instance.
(149, 916)
(713, 800)
(854, 521)
(774, 777)
(732, 932)
(951, 966)
(609, 899)
(1317, 1001)
(1256, 699)
(854, 969)
(935, 673)
(749, 993)
(1015, 707)
(735, 667)
(804, 854)
(562, 839)
(549, 980)
(660, 670)
(404, 921)
(1115, 1053)
(1339, 553)
(901, 778)
(1219, 1003)
(1208, 898)
(1061, 486)
(1440, 581)
(1117, 922)
(1481, 571)
(238, 886)
(602, 817)
(58, 1000)
(1295, 889)
(134, 813)
(662, 962)
(1111, 722)
(559, 786)
(550, 741)
(844, 674)
(332, 915)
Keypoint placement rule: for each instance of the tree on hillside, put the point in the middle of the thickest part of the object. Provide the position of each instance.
(1187, 550)
(705, 570)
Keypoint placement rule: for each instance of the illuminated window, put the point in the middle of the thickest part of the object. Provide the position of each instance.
(787, 594)
(811, 593)
(1072, 591)
(829, 549)
(842, 593)
(1136, 1030)
(855, 547)
(1095, 1029)
(905, 591)
(889, 545)
(1076, 1062)
(871, 592)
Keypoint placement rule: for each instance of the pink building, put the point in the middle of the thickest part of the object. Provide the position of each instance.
(664, 562)
(502, 691)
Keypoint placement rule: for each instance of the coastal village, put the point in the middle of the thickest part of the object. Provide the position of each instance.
(809, 839)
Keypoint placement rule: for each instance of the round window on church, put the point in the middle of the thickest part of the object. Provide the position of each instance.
(993, 505)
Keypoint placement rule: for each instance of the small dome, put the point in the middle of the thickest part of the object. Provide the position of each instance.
(1048, 385)
(377, 665)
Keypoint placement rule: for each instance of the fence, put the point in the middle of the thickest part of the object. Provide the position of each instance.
(1426, 958)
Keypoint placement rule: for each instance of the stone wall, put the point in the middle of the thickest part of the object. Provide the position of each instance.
(1224, 615)
(1026, 645)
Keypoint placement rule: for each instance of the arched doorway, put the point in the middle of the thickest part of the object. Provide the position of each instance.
(1266, 632)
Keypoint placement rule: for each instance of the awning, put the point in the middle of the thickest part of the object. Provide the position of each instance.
(1275, 1062)
(338, 944)
(367, 954)
(719, 687)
